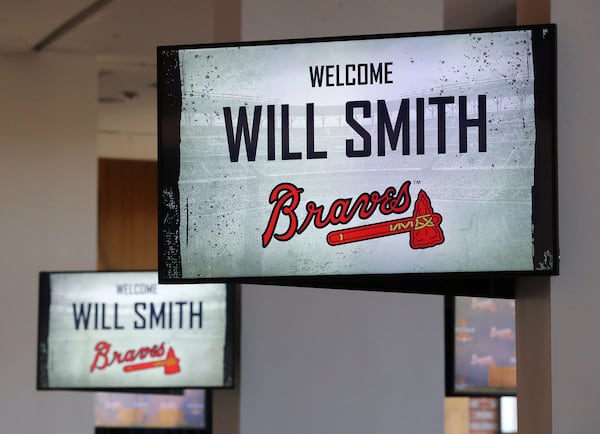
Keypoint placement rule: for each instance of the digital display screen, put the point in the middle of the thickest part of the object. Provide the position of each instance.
(142, 410)
(483, 351)
(123, 330)
(391, 154)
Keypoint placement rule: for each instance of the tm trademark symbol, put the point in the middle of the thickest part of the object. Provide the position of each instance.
(416, 182)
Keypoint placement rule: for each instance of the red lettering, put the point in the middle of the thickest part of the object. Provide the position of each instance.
(339, 211)
(314, 212)
(102, 349)
(103, 357)
(282, 194)
(117, 357)
(286, 198)
(364, 206)
(130, 356)
(396, 202)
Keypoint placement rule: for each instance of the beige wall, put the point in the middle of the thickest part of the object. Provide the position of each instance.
(272, 19)
(48, 215)
(468, 14)
(575, 294)
(323, 361)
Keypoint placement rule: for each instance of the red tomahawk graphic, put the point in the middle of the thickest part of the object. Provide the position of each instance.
(171, 364)
(423, 227)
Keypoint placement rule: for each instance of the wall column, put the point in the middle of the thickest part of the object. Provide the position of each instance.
(48, 214)
(534, 357)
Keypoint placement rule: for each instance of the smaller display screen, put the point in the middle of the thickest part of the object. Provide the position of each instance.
(482, 355)
(136, 410)
(122, 330)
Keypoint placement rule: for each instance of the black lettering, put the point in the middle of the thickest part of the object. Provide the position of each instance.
(104, 326)
(316, 76)
(329, 81)
(420, 126)
(251, 139)
(441, 102)
(388, 73)
(384, 126)
(310, 134)
(82, 316)
(351, 74)
(117, 327)
(270, 132)
(366, 150)
(350, 81)
(196, 314)
(376, 73)
(363, 73)
(337, 76)
(285, 135)
(157, 316)
(480, 122)
(136, 325)
(181, 304)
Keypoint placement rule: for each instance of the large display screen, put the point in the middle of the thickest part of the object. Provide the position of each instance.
(189, 411)
(374, 155)
(481, 351)
(122, 330)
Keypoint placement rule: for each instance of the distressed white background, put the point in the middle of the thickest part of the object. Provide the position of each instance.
(484, 198)
(71, 351)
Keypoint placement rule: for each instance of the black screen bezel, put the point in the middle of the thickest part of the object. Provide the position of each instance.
(450, 342)
(544, 192)
(42, 344)
(208, 429)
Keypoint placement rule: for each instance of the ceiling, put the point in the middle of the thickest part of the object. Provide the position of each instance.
(122, 35)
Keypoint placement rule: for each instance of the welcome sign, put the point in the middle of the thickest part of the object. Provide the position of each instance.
(394, 154)
(112, 330)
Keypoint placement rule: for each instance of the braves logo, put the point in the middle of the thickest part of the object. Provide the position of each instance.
(105, 358)
(424, 227)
